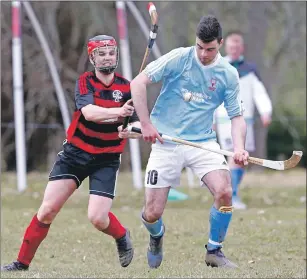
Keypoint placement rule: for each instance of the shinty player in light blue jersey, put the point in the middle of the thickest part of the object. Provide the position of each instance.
(196, 80)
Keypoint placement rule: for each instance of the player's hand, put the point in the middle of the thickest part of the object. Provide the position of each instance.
(240, 157)
(150, 133)
(266, 120)
(123, 134)
(127, 109)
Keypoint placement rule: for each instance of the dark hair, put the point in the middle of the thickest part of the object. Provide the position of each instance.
(209, 29)
(234, 32)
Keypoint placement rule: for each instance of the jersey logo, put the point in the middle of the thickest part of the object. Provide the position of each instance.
(213, 84)
(117, 95)
(198, 97)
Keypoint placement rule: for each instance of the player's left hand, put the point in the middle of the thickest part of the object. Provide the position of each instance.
(240, 157)
(123, 134)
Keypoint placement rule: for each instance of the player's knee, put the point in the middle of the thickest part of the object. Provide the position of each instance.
(99, 221)
(224, 195)
(152, 214)
(47, 212)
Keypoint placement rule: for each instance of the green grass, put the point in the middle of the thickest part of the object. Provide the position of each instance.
(267, 241)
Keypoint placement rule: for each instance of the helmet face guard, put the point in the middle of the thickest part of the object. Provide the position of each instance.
(101, 44)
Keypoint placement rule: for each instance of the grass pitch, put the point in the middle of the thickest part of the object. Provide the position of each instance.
(267, 241)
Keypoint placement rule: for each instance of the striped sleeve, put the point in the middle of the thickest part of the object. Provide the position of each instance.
(84, 93)
(164, 65)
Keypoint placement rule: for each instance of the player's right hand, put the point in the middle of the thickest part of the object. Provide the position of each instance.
(127, 109)
(150, 133)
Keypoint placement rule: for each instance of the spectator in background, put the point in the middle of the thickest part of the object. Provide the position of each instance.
(253, 93)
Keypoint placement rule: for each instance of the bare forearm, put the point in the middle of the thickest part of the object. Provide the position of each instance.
(98, 114)
(139, 97)
(238, 132)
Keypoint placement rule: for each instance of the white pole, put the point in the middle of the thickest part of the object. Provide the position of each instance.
(50, 60)
(126, 66)
(18, 98)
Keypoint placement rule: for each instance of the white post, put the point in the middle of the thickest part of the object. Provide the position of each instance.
(18, 98)
(126, 66)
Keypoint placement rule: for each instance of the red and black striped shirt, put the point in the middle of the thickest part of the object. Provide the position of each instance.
(97, 138)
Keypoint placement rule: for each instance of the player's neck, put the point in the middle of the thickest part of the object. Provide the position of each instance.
(213, 60)
(105, 79)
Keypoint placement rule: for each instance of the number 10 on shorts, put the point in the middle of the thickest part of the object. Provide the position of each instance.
(152, 177)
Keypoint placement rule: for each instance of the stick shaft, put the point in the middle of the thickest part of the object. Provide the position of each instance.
(152, 36)
(257, 161)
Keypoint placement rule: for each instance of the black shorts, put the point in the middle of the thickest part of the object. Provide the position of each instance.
(74, 163)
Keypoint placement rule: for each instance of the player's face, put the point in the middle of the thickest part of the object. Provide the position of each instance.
(105, 56)
(206, 52)
(234, 46)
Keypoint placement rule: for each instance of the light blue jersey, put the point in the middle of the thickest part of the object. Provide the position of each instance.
(191, 92)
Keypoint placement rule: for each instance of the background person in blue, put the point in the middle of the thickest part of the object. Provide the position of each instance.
(253, 94)
(196, 80)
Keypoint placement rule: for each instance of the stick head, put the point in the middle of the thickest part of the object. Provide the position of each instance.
(153, 13)
(293, 160)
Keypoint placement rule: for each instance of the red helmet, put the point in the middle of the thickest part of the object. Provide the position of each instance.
(102, 41)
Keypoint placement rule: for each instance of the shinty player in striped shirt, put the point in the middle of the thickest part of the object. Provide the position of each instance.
(92, 149)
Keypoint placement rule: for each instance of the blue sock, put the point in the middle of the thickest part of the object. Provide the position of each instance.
(236, 178)
(219, 222)
(156, 229)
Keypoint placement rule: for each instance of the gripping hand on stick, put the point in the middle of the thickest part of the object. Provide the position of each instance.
(150, 133)
(240, 157)
(127, 109)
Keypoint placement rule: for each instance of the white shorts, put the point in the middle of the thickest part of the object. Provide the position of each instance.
(225, 139)
(167, 160)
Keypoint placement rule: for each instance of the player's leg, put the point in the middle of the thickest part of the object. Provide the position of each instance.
(213, 171)
(236, 171)
(63, 181)
(219, 183)
(155, 201)
(102, 192)
(163, 170)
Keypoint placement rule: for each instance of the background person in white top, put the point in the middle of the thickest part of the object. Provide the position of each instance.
(196, 80)
(253, 93)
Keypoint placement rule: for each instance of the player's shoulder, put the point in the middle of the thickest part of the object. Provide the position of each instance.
(179, 52)
(86, 75)
(119, 79)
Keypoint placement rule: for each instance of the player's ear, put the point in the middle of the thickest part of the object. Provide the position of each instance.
(221, 43)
